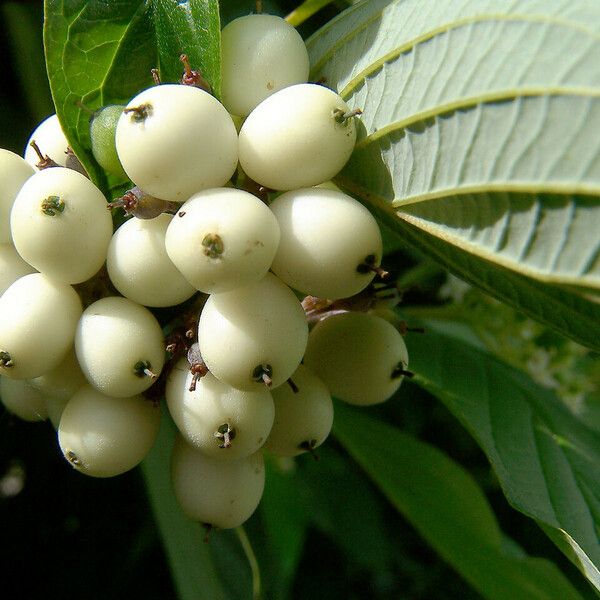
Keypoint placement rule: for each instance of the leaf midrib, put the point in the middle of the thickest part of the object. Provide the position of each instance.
(431, 34)
(428, 35)
(472, 101)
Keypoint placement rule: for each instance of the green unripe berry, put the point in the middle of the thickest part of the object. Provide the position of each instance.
(102, 135)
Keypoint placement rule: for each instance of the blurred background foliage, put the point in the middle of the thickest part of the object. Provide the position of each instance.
(337, 536)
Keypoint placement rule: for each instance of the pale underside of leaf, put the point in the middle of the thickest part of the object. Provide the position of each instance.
(479, 124)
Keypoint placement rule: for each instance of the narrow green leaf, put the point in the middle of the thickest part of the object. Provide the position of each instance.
(547, 461)
(306, 10)
(97, 53)
(478, 134)
(192, 568)
(447, 507)
(285, 522)
(189, 27)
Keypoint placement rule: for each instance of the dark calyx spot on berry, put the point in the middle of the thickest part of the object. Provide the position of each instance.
(45, 162)
(139, 113)
(193, 78)
(213, 245)
(143, 368)
(73, 458)
(343, 118)
(225, 433)
(263, 373)
(400, 370)
(309, 446)
(52, 206)
(6, 360)
(369, 265)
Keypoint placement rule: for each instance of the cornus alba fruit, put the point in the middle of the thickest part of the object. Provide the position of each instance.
(175, 140)
(242, 371)
(222, 239)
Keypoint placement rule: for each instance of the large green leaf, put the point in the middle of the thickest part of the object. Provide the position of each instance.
(547, 461)
(189, 27)
(100, 53)
(478, 135)
(97, 53)
(447, 507)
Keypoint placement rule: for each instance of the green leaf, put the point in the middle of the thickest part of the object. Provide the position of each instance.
(306, 10)
(478, 137)
(285, 521)
(447, 507)
(547, 461)
(97, 53)
(189, 27)
(192, 567)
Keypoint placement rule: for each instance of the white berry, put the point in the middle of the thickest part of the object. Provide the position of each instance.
(261, 54)
(297, 138)
(222, 239)
(215, 418)
(220, 493)
(253, 335)
(139, 267)
(51, 141)
(175, 140)
(360, 357)
(316, 256)
(23, 400)
(38, 317)
(60, 225)
(103, 436)
(120, 346)
(303, 417)
(14, 172)
(12, 266)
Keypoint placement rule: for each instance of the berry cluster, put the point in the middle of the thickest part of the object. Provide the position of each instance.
(224, 225)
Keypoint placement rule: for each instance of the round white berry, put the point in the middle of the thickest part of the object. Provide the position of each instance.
(253, 335)
(175, 140)
(139, 267)
(62, 381)
(314, 255)
(120, 346)
(60, 225)
(360, 357)
(38, 317)
(23, 400)
(51, 141)
(215, 418)
(12, 266)
(261, 54)
(303, 415)
(297, 138)
(14, 172)
(220, 493)
(222, 239)
(103, 436)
